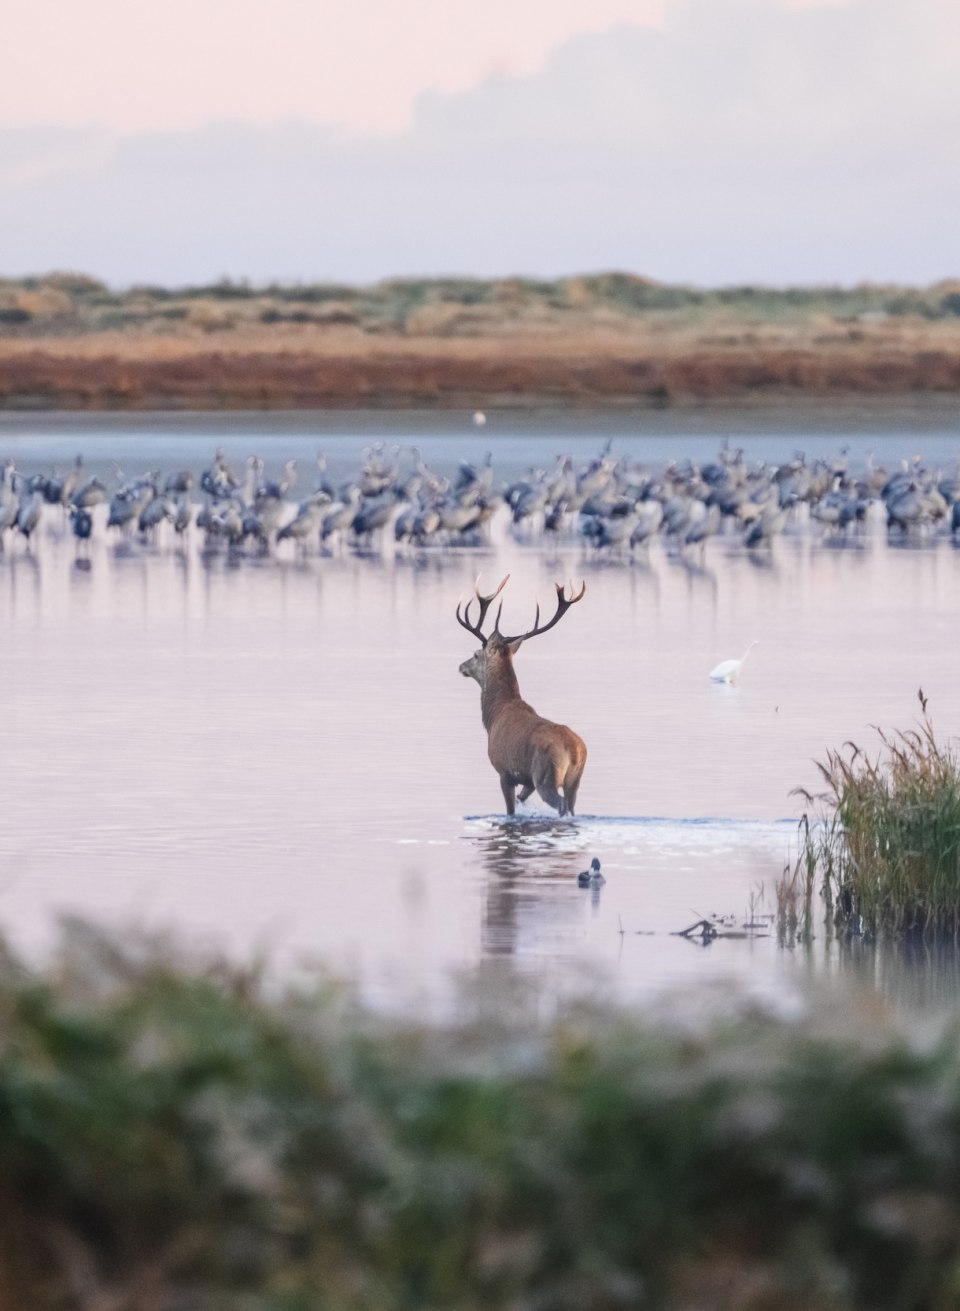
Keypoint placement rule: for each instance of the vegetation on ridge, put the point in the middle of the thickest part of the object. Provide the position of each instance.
(74, 303)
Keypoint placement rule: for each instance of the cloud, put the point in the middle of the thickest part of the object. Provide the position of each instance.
(743, 141)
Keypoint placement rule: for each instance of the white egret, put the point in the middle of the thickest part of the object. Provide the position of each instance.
(728, 671)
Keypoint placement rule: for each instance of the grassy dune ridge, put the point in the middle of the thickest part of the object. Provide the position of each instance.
(607, 339)
(175, 1135)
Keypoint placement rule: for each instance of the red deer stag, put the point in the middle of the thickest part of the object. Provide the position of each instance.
(526, 750)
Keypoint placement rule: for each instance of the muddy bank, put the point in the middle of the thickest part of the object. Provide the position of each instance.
(515, 375)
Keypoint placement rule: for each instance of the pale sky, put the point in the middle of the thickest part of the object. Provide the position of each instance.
(705, 141)
(149, 64)
(134, 64)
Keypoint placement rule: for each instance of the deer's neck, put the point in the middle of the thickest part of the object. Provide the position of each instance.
(500, 687)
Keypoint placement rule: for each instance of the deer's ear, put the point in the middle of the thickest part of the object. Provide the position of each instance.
(514, 647)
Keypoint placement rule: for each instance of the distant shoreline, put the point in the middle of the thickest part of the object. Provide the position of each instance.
(832, 419)
(599, 342)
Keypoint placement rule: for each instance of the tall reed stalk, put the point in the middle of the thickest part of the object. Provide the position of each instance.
(887, 844)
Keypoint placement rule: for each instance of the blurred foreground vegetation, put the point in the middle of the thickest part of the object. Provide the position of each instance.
(177, 1136)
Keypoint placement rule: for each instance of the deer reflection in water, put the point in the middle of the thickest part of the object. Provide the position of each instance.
(531, 892)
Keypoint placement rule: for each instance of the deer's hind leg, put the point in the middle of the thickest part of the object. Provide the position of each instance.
(571, 780)
(548, 789)
(553, 797)
(507, 787)
(570, 795)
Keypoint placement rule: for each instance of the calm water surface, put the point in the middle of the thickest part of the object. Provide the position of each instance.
(279, 755)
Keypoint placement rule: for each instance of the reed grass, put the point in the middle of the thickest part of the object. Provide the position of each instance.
(887, 845)
(795, 892)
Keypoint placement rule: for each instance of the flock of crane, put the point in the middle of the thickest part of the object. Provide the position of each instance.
(614, 505)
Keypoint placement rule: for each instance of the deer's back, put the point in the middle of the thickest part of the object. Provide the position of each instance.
(518, 735)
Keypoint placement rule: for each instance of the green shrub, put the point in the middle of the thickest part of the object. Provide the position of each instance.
(225, 289)
(637, 295)
(914, 304)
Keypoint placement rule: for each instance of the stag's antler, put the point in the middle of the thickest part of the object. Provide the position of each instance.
(485, 603)
(563, 605)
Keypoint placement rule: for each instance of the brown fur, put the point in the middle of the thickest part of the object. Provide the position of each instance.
(526, 750)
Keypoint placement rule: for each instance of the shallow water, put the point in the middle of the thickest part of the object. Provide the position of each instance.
(280, 756)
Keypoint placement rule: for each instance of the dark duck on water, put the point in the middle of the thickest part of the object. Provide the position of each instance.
(591, 878)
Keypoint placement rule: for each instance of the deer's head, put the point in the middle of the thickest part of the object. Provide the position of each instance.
(495, 654)
(497, 650)
(475, 666)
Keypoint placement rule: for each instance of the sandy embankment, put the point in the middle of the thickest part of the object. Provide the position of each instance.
(346, 368)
